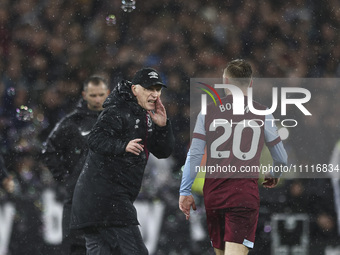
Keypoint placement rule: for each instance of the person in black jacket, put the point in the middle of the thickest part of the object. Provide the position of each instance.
(65, 152)
(132, 124)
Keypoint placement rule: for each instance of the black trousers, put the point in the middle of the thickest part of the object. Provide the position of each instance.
(73, 240)
(125, 240)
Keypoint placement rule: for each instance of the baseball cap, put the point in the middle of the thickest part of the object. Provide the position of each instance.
(147, 77)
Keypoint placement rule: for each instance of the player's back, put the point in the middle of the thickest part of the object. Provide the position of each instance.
(234, 144)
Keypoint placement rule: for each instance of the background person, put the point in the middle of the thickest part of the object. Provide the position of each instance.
(65, 152)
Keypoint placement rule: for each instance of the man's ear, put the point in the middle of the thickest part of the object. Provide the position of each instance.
(83, 95)
(225, 80)
(133, 89)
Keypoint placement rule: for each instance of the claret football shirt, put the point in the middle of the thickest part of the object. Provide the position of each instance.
(233, 145)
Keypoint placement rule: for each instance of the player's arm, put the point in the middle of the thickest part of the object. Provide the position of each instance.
(194, 158)
(277, 151)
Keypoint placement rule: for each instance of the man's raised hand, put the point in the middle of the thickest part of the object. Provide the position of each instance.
(158, 116)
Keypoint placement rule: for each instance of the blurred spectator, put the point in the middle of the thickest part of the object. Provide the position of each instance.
(27, 224)
(52, 110)
(65, 150)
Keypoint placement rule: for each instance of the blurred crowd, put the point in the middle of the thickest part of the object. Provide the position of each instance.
(49, 47)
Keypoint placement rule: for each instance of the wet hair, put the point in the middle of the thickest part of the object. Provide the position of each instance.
(239, 71)
(95, 80)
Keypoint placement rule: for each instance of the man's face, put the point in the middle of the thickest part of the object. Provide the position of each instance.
(146, 98)
(95, 96)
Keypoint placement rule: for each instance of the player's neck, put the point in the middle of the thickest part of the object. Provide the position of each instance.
(244, 91)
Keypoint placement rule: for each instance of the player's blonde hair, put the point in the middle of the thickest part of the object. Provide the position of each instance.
(238, 72)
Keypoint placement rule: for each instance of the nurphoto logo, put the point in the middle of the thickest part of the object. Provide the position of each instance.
(238, 99)
(238, 106)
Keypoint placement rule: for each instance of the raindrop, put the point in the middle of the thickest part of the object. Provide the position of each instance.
(11, 92)
(267, 228)
(111, 20)
(128, 5)
(40, 117)
(283, 133)
(24, 113)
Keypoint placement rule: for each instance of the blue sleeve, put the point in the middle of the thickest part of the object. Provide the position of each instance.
(279, 154)
(277, 149)
(270, 129)
(194, 158)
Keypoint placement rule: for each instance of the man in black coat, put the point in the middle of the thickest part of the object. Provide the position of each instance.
(132, 124)
(65, 152)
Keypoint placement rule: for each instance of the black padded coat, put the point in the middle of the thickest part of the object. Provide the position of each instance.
(111, 178)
